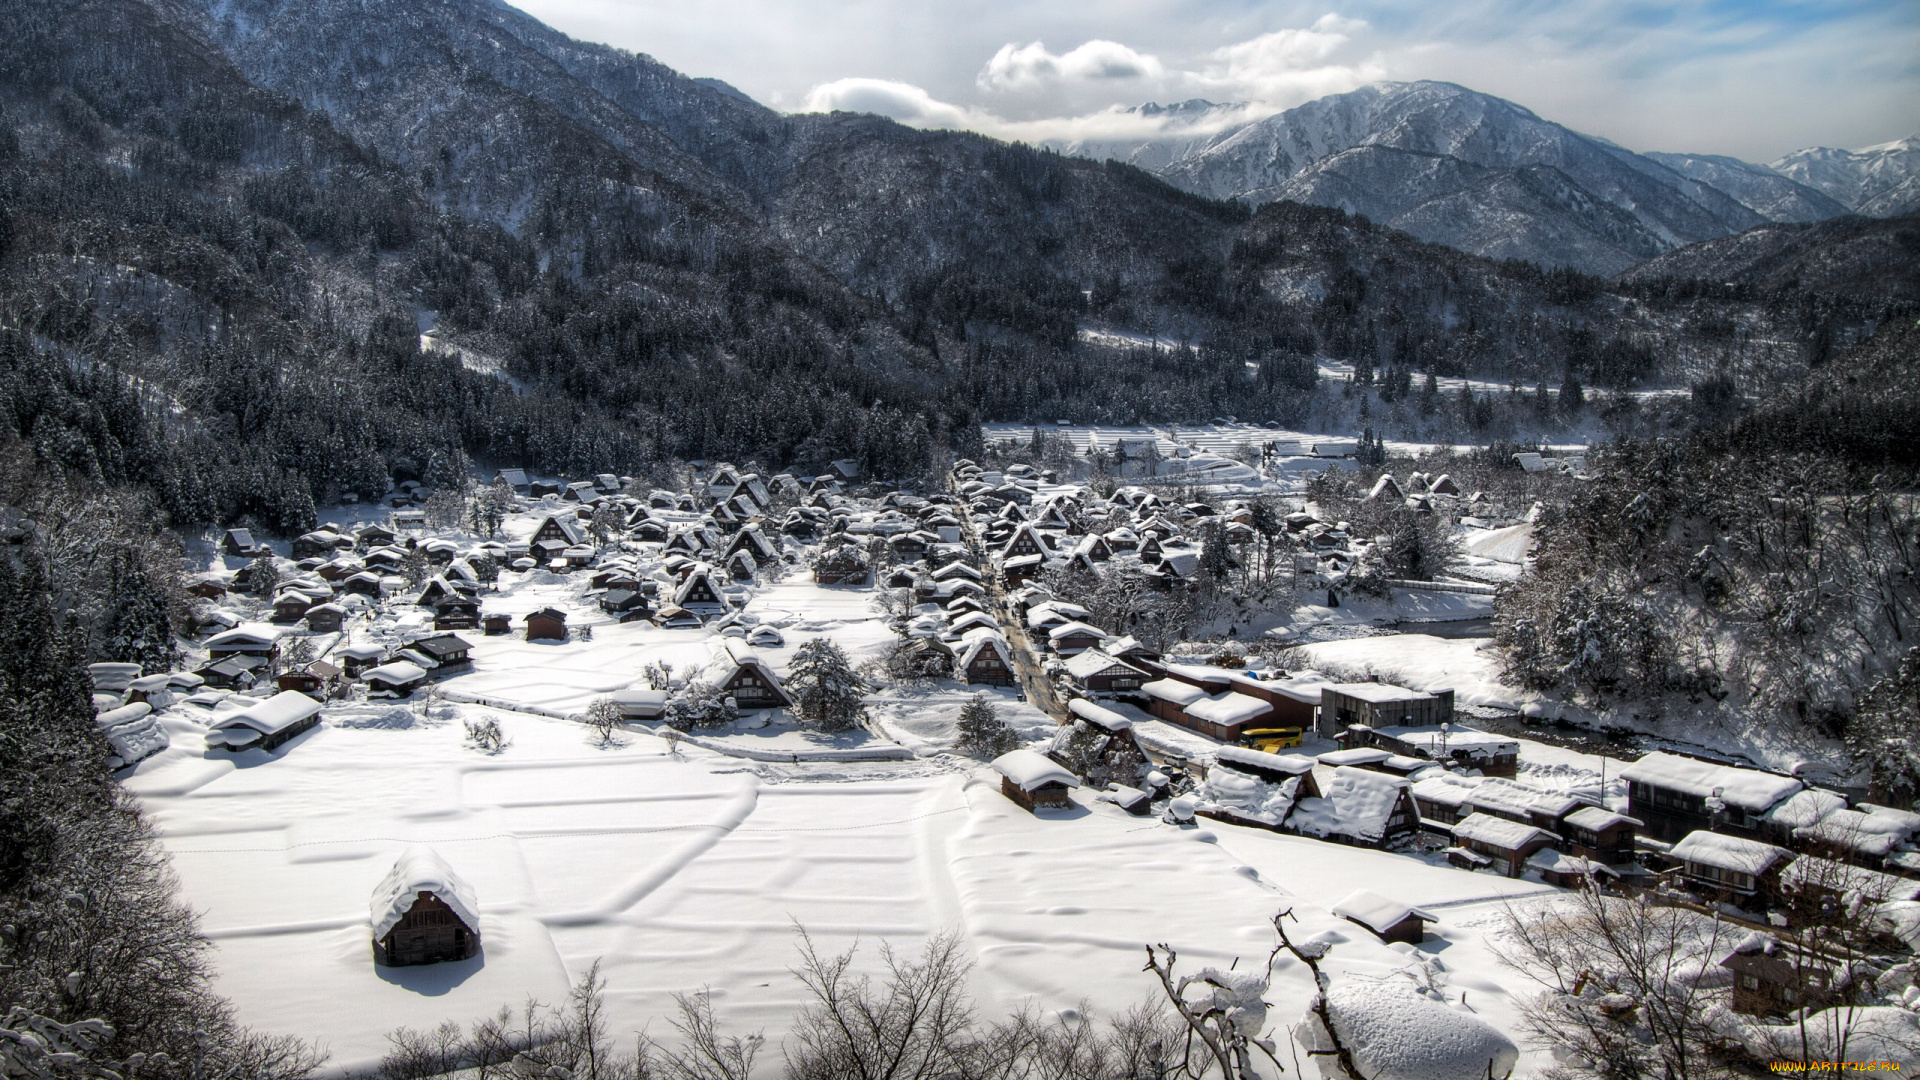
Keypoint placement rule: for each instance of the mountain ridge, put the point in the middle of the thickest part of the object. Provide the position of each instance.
(1306, 153)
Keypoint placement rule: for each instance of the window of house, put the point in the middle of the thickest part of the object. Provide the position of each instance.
(1749, 982)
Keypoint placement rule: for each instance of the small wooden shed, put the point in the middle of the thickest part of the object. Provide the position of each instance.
(549, 624)
(423, 913)
(1034, 780)
(1390, 920)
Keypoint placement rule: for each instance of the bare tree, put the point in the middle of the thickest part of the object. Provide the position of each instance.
(604, 717)
(1622, 982)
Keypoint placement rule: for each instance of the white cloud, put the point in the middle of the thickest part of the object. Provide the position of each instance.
(1068, 97)
(1022, 67)
(1285, 67)
(904, 102)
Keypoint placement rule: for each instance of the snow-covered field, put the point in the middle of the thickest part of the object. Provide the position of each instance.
(685, 871)
(689, 867)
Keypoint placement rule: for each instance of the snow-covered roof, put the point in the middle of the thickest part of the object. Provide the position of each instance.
(1074, 629)
(1596, 818)
(1447, 789)
(1839, 877)
(1547, 860)
(1376, 912)
(1454, 737)
(639, 696)
(1173, 690)
(1357, 804)
(1727, 852)
(1397, 1033)
(1260, 759)
(1093, 662)
(1852, 830)
(1030, 769)
(400, 671)
(978, 639)
(1805, 808)
(249, 634)
(1377, 693)
(1502, 794)
(420, 869)
(1245, 795)
(1105, 719)
(1498, 831)
(1229, 709)
(277, 713)
(1749, 789)
(1359, 755)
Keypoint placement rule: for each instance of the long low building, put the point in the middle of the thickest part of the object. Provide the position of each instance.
(267, 725)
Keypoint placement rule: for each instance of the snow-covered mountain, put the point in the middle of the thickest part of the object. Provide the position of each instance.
(1878, 181)
(1767, 193)
(1470, 170)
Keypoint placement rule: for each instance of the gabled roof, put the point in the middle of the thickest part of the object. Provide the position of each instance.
(1727, 852)
(1376, 912)
(419, 869)
(277, 713)
(1031, 770)
(1357, 804)
(400, 671)
(1092, 662)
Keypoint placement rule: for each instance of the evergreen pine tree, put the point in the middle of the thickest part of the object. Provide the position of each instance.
(826, 692)
(135, 628)
(982, 732)
(262, 577)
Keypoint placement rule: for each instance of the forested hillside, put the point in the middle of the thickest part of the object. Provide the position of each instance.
(226, 229)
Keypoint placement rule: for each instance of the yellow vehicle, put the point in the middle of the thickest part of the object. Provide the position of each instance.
(1271, 739)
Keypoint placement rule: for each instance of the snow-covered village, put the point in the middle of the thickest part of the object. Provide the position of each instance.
(566, 540)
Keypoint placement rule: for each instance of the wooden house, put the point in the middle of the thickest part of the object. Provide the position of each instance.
(650, 530)
(449, 652)
(1025, 541)
(1094, 672)
(1771, 978)
(494, 624)
(208, 587)
(325, 618)
(1070, 638)
(1593, 832)
(1729, 866)
(1676, 795)
(252, 640)
(356, 660)
(755, 544)
(397, 679)
(675, 617)
(1378, 705)
(746, 678)
(373, 535)
(1509, 844)
(320, 543)
(547, 624)
(1470, 748)
(1364, 808)
(626, 605)
(241, 543)
(423, 913)
(1388, 920)
(456, 613)
(555, 534)
(266, 725)
(985, 658)
(698, 591)
(1035, 781)
(290, 607)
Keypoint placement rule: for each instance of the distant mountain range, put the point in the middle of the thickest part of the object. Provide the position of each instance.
(1472, 171)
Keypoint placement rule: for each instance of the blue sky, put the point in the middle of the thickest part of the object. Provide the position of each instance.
(1752, 78)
